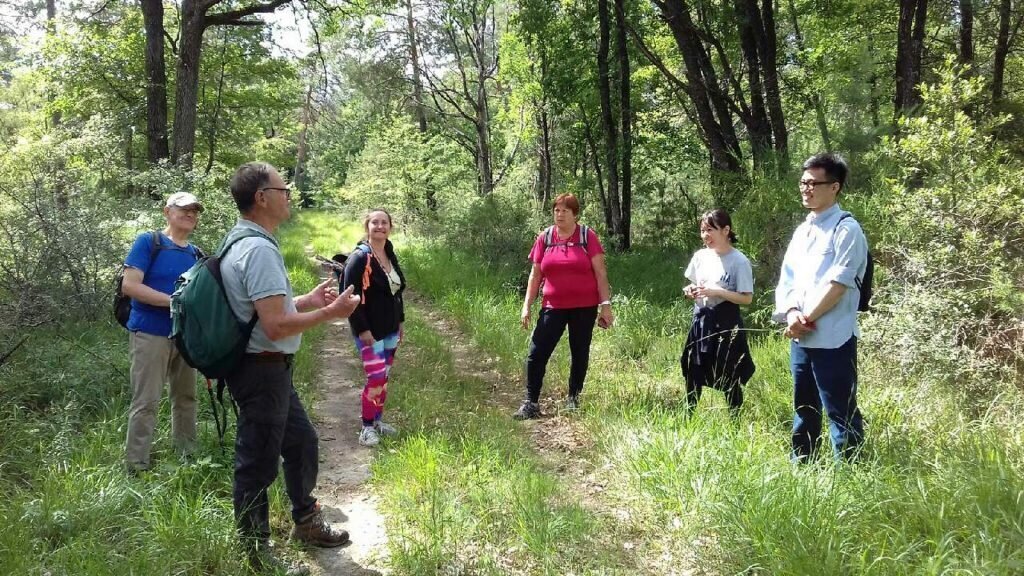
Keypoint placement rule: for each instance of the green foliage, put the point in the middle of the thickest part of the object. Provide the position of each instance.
(954, 230)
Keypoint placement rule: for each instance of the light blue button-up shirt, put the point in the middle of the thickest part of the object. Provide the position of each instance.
(823, 250)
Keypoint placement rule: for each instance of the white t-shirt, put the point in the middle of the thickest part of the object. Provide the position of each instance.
(730, 271)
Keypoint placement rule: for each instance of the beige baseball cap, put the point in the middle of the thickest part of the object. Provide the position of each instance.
(184, 200)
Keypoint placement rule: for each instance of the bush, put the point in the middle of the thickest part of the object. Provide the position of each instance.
(953, 242)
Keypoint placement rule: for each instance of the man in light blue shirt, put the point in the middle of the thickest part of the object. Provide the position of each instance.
(816, 299)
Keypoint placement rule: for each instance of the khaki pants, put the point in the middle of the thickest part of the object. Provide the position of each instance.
(155, 361)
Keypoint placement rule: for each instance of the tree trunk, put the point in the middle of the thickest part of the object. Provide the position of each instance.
(417, 79)
(608, 127)
(768, 45)
(676, 15)
(483, 118)
(185, 105)
(748, 20)
(966, 32)
(212, 132)
(626, 121)
(544, 184)
(301, 150)
(51, 29)
(1002, 50)
(595, 156)
(156, 81)
(909, 48)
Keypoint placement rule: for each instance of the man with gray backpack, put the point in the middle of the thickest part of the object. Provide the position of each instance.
(235, 318)
(155, 261)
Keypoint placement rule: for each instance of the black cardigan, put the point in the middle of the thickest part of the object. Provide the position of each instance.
(382, 311)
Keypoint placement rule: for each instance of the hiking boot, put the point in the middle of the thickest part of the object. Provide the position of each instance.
(315, 531)
(572, 403)
(369, 436)
(385, 429)
(528, 411)
(263, 560)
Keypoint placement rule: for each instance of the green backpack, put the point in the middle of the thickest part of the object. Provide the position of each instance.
(205, 330)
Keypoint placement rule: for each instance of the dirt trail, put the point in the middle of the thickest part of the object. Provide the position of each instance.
(345, 465)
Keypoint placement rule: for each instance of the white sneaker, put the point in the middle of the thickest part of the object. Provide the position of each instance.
(369, 437)
(385, 429)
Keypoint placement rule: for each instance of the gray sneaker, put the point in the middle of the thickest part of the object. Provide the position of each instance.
(572, 403)
(528, 411)
(369, 437)
(385, 429)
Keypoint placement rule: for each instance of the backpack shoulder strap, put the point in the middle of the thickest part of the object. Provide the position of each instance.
(154, 248)
(230, 240)
(584, 234)
(549, 234)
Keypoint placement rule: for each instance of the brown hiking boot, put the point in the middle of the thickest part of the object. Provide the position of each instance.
(315, 531)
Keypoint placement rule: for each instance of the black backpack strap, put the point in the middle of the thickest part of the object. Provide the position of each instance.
(154, 248)
(836, 229)
(549, 233)
(584, 234)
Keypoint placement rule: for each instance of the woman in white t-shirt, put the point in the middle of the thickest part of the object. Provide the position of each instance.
(716, 353)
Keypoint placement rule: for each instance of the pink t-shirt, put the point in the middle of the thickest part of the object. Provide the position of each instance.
(569, 280)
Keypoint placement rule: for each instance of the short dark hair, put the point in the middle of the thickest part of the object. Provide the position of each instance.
(833, 164)
(249, 178)
(719, 219)
(569, 201)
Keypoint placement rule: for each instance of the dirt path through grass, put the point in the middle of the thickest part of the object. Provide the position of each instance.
(344, 464)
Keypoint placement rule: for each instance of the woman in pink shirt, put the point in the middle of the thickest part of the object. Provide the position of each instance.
(570, 260)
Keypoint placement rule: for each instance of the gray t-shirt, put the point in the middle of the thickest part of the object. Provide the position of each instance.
(730, 271)
(253, 269)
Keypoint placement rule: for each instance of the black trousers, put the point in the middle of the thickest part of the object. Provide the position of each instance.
(272, 425)
(551, 324)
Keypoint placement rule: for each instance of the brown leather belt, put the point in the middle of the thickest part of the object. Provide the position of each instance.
(273, 357)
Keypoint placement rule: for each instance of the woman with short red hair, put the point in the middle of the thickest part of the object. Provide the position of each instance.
(569, 258)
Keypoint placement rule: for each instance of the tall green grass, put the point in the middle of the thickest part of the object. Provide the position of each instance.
(936, 491)
(463, 491)
(69, 506)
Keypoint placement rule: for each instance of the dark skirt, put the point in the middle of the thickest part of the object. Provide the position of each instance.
(716, 353)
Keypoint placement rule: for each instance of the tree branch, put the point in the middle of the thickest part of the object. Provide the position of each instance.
(234, 17)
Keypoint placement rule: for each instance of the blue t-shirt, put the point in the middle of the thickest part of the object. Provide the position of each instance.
(169, 262)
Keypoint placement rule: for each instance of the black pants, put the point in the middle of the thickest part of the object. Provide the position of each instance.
(551, 325)
(695, 384)
(272, 424)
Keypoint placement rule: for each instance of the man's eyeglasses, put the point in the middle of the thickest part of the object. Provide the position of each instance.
(813, 183)
(287, 191)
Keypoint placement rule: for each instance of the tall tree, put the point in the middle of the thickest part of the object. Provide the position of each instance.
(417, 78)
(1007, 32)
(966, 32)
(909, 49)
(625, 203)
(157, 147)
(609, 128)
(195, 19)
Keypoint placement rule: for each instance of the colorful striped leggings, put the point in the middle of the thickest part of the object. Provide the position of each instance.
(377, 361)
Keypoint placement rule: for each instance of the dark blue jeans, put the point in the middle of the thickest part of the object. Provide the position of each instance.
(825, 377)
(551, 324)
(272, 425)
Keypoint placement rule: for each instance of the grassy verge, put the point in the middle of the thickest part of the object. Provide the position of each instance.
(937, 492)
(463, 491)
(69, 507)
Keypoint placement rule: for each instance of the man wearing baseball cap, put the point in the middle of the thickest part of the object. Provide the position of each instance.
(154, 263)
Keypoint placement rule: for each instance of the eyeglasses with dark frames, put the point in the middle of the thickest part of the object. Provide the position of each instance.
(813, 183)
(287, 191)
